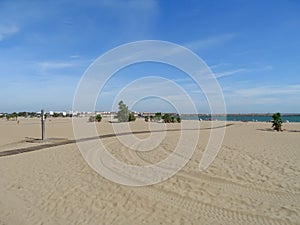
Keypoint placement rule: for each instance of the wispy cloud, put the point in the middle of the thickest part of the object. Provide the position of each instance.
(271, 90)
(132, 4)
(74, 62)
(264, 98)
(241, 70)
(209, 42)
(230, 73)
(54, 65)
(7, 31)
(74, 56)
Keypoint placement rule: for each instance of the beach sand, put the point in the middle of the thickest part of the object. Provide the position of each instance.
(255, 178)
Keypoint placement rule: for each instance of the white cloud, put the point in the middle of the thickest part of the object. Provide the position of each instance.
(269, 91)
(209, 42)
(131, 4)
(54, 65)
(241, 70)
(230, 73)
(7, 31)
(74, 56)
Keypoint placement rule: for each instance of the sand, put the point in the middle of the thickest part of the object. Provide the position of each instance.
(255, 178)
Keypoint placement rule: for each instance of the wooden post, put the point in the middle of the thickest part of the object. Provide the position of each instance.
(43, 124)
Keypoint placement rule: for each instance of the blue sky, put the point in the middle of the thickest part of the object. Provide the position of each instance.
(252, 47)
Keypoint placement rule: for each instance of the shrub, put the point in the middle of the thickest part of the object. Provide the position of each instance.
(92, 119)
(131, 117)
(277, 122)
(96, 118)
(166, 118)
(124, 115)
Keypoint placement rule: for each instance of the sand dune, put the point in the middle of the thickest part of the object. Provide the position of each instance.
(255, 178)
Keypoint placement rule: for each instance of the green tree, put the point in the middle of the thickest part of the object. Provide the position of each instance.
(166, 118)
(92, 119)
(157, 116)
(131, 117)
(7, 116)
(277, 122)
(15, 115)
(124, 115)
(98, 118)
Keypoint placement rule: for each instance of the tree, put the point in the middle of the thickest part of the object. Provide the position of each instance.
(131, 117)
(96, 118)
(15, 115)
(277, 122)
(166, 118)
(7, 116)
(157, 116)
(92, 119)
(124, 115)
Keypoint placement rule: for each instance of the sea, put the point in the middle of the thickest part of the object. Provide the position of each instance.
(245, 118)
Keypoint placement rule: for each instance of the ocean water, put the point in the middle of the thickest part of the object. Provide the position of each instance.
(290, 118)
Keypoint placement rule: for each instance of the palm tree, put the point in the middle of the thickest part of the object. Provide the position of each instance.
(277, 122)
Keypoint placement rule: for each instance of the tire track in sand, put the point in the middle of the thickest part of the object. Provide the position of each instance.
(227, 185)
(204, 209)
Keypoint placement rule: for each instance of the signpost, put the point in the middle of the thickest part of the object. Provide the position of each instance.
(43, 124)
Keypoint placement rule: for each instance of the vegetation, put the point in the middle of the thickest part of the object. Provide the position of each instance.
(96, 118)
(15, 115)
(12, 115)
(277, 122)
(124, 115)
(131, 117)
(167, 118)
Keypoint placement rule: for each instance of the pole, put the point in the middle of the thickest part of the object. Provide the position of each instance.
(43, 124)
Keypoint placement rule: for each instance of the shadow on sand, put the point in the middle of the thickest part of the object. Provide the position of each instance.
(272, 130)
(53, 142)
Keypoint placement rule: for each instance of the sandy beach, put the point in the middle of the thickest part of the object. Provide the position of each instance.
(255, 178)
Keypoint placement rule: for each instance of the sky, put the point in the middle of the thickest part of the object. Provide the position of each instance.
(251, 47)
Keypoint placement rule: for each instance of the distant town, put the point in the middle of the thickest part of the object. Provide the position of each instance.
(113, 114)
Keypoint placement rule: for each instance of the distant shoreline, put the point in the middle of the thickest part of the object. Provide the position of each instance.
(240, 114)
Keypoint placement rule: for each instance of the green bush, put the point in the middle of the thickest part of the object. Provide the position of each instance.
(131, 117)
(124, 115)
(167, 118)
(277, 122)
(96, 118)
